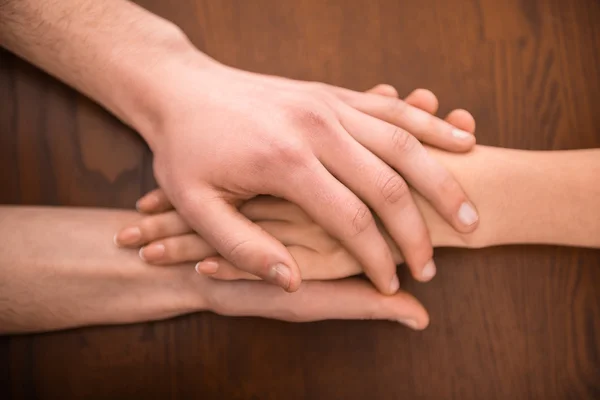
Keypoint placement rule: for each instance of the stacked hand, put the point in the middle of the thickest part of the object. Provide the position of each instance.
(336, 153)
(168, 239)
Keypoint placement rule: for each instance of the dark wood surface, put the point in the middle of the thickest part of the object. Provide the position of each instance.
(520, 322)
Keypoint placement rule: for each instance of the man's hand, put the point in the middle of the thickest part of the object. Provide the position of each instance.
(225, 136)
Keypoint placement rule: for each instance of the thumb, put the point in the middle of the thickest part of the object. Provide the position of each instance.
(238, 240)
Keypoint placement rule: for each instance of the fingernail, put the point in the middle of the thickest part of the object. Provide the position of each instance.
(411, 323)
(139, 205)
(428, 271)
(152, 252)
(207, 267)
(467, 214)
(128, 236)
(460, 134)
(281, 274)
(394, 284)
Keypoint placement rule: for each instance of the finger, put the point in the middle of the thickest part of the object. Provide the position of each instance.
(422, 125)
(423, 99)
(462, 119)
(154, 202)
(427, 101)
(237, 239)
(384, 90)
(313, 266)
(315, 301)
(151, 228)
(176, 250)
(384, 190)
(335, 208)
(406, 155)
(221, 269)
(268, 208)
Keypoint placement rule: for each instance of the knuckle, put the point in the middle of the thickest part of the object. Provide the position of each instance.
(448, 188)
(362, 220)
(318, 86)
(249, 256)
(174, 250)
(394, 189)
(151, 228)
(421, 251)
(311, 119)
(239, 251)
(396, 108)
(402, 141)
(291, 152)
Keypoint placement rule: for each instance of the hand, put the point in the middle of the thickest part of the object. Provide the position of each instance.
(171, 241)
(314, 301)
(310, 144)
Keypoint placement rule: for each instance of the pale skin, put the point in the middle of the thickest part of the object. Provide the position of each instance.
(337, 153)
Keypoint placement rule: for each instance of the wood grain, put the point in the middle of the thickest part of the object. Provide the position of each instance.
(519, 322)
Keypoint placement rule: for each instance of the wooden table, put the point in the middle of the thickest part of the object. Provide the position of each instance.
(507, 323)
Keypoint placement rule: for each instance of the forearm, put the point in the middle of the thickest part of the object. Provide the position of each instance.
(59, 268)
(539, 197)
(112, 50)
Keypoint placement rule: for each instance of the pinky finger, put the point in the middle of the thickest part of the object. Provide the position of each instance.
(346, 299)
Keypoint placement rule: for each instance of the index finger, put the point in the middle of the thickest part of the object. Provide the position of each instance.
(425, 127)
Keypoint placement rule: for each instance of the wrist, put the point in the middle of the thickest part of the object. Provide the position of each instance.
(149, 79)
(157, 92)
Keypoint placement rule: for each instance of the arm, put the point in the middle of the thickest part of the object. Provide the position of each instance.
(547, 197)
(299, 140)
(60, 269)
(113, 51)
(543, 197)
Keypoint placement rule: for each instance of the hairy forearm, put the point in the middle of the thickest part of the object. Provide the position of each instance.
(112, 50)
(59, 268)
(537, 197)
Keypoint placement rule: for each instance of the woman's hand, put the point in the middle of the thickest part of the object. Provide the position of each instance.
(167, 239)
